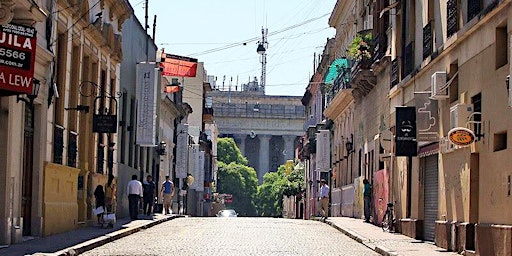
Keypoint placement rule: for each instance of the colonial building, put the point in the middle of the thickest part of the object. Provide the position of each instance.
(55, 154)
(429, 117)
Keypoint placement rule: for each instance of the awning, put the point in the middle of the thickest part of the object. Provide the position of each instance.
(335, 69)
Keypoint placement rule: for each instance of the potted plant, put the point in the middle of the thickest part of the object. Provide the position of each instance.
(360, 48)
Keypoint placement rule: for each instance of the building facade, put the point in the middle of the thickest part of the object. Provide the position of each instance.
(49, 163)
(442, 67)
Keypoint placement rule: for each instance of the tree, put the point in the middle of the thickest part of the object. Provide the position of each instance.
(274, 186)
(228, 152)
(236, 178)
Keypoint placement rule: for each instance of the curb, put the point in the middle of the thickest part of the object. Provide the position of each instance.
(104, 239)
(363, 240)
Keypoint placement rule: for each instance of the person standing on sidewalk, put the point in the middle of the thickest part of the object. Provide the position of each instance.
(324, 199)
(149, 194)
(367, 195)
(110, 195)
(167, 192)
(134, 191)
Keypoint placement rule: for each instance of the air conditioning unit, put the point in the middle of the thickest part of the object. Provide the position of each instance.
(459, 115)
(438, 87)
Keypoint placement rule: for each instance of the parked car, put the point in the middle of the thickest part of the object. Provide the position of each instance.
(227, 213)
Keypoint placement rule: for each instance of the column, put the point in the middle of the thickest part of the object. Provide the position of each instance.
(264, 153)
(241, 139)
(289, 147)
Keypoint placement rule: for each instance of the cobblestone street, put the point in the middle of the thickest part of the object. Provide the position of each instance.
(235, 236)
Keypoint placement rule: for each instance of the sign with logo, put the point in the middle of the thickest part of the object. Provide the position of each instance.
(323, 153)
(147, 84)
(182, 151)
(460, 136)
(427, 117)
(405, 139)
(17, 57)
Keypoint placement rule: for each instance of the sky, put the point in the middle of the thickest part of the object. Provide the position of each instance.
(224, 35)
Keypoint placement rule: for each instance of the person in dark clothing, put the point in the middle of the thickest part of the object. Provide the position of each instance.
(367, 195)
(99, 196)
(149, 194)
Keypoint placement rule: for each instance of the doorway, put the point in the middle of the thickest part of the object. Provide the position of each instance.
(28, 166)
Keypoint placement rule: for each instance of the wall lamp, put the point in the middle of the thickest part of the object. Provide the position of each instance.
(349, 145)
(160, 148)
(31, 97)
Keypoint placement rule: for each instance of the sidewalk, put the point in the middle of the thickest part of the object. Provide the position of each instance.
(83, 239)
(383, 242)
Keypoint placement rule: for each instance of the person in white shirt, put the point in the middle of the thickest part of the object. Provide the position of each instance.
(324, 199)
(134, 191)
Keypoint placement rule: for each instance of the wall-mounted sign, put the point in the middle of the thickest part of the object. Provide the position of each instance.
(405, 139)
(17, 57)
(460, 136)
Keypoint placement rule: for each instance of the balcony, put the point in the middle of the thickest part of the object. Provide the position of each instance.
(363, 79)
(361, 50)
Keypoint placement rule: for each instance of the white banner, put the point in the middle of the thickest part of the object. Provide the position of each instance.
(193, 162)
(323, 154)
(182, 151)
(200, 177)
(147, 84)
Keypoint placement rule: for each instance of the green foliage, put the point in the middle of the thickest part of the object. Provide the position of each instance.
(274, 186)
(228, 152)
(236, 178)
(360, 47)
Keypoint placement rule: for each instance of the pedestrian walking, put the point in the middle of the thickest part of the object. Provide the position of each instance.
(134, 191)
(367, 196)
(110, 194)
(167, 191)
(324, 199)
(99, 196)
(149, 194)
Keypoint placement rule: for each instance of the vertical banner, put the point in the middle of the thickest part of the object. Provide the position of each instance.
(193, 162)
(323, 154)
(147, 85)
(17, 58)
(427, 117)
(200, 169)
(182, 151)
(405, 139)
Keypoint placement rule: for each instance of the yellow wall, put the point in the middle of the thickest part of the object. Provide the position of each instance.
(60, 208)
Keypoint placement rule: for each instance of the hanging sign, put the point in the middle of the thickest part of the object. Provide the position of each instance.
(405, 139)
(460, 136)
(17, 57)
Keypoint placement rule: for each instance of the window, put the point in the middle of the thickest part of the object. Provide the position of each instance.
(501, 47)
(500, 141)
(454, 85)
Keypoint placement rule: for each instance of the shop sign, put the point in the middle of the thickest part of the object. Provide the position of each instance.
(17, 57)
(460, 136)
(104, 123)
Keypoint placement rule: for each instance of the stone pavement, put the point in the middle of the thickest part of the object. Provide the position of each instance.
(383, 242)
(83, 239)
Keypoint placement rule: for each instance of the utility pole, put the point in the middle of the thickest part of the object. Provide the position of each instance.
(262, 50)
(146, 28)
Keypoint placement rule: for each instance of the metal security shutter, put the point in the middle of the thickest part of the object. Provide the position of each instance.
(431, 192)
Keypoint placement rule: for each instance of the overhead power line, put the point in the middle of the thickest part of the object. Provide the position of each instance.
(254, 39)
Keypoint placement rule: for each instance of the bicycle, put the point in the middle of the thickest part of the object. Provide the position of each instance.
(388, 221)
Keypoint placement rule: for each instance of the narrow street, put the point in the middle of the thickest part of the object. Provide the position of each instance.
(235, 236)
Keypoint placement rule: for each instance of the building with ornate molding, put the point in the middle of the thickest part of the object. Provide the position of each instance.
(52, 159)
(265, 128)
